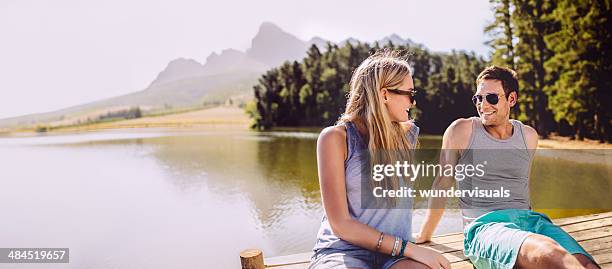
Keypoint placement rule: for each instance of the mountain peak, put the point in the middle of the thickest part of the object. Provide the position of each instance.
(231, 60)
(272, 46)
(317, 38)
(183, 62)
(214, 56)
(351, 40)
(319, 42)
(177, 69)
(269, 27)
(396, 40)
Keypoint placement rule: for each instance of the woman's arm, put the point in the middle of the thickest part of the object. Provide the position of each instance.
(331, 154)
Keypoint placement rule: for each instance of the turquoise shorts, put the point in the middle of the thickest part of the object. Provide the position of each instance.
(493, 240)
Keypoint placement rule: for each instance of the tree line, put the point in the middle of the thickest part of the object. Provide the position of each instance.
(313, 92)
(560, 49)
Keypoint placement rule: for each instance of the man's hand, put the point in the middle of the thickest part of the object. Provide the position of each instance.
(420, 238)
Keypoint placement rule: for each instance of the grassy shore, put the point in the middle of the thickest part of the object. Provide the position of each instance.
(559, 142)
(235, 117)
(210, 117)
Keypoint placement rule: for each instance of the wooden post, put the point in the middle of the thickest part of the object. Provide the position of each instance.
(252, 259)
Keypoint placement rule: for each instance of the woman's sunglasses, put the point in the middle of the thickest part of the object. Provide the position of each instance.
(492, 98)
(409, 93)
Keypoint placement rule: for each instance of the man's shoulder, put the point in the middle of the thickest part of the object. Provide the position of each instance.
(460, 127)
(531, 136)
(458, 133)
(530, 132)
(462, 124)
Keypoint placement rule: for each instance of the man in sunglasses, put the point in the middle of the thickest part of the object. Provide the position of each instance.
(500, 231)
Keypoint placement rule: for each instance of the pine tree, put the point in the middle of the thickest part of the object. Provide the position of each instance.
(581, 67)
(530, 25)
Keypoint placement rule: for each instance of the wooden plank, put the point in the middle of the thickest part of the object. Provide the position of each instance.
(462, 265)
(570, 228)
(601, 251)
(606, 266)
(593, 232)
(294, 259)
(455, 256)
(455, 237)
(290, 266)
(570, 220)
(603, 258)
(597, 244)
(445, 248)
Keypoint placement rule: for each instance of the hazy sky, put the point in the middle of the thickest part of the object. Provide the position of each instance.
(55, 54)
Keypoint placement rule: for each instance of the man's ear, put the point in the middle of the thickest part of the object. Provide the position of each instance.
(512, 99)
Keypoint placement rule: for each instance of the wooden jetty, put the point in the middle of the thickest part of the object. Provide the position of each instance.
(593, 232)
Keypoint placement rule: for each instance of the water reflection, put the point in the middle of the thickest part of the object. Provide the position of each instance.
(208, 193)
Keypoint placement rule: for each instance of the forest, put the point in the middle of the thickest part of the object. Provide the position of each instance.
(560, 50)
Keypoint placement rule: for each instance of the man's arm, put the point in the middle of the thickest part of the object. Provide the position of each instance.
(531, 137)
(455, 140)
(531, 141)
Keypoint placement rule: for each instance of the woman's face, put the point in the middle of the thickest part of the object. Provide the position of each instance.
(397, 104)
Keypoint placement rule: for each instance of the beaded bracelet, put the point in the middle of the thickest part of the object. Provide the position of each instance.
(380, 240)
(404, 244)
(395, 246)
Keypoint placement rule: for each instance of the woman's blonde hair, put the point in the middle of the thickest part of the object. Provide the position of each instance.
(387, 140)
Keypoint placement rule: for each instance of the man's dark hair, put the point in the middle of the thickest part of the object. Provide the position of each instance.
(507, 77)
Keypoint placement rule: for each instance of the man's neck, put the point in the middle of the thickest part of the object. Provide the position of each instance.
(502, 131)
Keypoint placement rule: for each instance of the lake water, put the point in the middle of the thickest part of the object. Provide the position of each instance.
(167, 199)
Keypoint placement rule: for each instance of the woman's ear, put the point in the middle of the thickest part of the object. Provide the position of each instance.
(384, 95)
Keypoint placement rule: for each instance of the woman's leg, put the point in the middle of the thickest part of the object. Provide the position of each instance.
(409, 264)
(358, 259)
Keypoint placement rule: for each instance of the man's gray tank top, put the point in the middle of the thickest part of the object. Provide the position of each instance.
(397, 222)
(507, 165)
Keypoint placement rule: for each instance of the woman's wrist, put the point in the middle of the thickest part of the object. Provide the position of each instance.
(409, 250)
(403, 247)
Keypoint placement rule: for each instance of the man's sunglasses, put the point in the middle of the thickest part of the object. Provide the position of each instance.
(409, 93)
(492, 98)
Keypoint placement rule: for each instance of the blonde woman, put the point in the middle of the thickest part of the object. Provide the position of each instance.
(375, 122)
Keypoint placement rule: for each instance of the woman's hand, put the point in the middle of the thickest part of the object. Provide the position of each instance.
(427, 256)
(420, 238)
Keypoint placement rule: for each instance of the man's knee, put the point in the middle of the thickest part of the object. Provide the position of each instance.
(586, 262)
(542, 250)
(550, 252)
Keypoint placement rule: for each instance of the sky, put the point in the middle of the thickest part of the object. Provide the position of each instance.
(56, 54)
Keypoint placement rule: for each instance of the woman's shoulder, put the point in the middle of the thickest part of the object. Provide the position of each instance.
(410, 127)
(332, 140)
(335, 134)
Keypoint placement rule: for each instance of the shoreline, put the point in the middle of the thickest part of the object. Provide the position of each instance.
(232, 117)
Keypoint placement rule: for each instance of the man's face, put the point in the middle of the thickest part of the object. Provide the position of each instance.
(494, 114)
